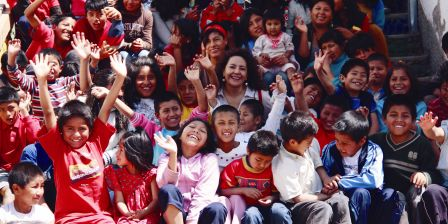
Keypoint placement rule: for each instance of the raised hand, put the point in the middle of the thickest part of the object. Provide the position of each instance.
(319, 60)
(118, 65)
(25, 103)
(210, 92)
(300, 24)
(203, 61)
(165, 59)
(99, 92)
(41, 67)
(427, 122)
(137, 45)
(112, 13)
(296, 81)
(81, 45)
(364, 111)
(192, 72)
(71, 93)
(168, 143)
(95, 52)
(281, 85)
(14, 47)
(107, 50)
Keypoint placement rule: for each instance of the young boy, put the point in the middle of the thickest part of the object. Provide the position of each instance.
(356, 165)
(295, 170)
(251, 177)
(26, 181)
(439, 106)
(17, 130)
(378, 72)
(361, 46)
(409, 162)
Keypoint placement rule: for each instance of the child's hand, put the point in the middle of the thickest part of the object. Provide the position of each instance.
(266, 201)
(210, 92)
(300, 24)
(193, 14)
(137, 45)
(118, 65)
(203, 61)
(95, 52)
(165, 60)
(112, 13)
(41, 67)
(296, 81)
(319, 60)
(14, 47)
(81, 45)
(278, 85)
(107, 50)
(250, 192)
(168, 143)
(24, 104)
(418, 179)
(192, 72)
(332, 182)
(71, 93)
(264, 60)
(137, 215)
(99, 92)
(364, 111)
(426, 121)
(280, 60)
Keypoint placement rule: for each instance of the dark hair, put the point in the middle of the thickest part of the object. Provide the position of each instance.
(399, 100)
(225, 109)
(215, 27)
(138, 149)
(56, 19)
(168, 96)
(263, 142)
(169, 8)
(315, 81)
(332, 35)
(188, 29)
(353, 124)
(298, 126)
(75, 108)
(96, 5)
(443, 73)
(338, 101)
(378, 57)
(353, 62)
(210, 144)
(329, 2)
(413, 91)
(360, 41)
(445, 42)
(273, 14)
(350, 11)
(255, 107)
(21, 60)
(52, 52)
(8, 94)
(244, 23)
(131, 96)
(22, 174)
(253, 79)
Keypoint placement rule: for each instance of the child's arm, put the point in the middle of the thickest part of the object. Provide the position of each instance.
(168, 60)
(304, 49)
(210, 93)
(30, 13)
(42, 68)
(273, 120)
(82, 47)
(428, 125)
(140, 214)
(121, 204)
(116, 31)
(320, 60)
(167, 172)
(27, 83)
(192, 74)
(118, 65)
(296, 81)
(208, 67)
(249, 192)
(177, 51)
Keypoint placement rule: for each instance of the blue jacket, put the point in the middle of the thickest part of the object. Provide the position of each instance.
(370, 166)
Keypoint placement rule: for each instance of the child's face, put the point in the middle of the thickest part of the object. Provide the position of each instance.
(258, 161)
(346, 145)
(55, 68)
(321, 14)
(333, 49)
(63, 31)
(96, 19)
(300, 148)
(215, 45)
(9, 112)
(226, 126)
(378, 72)
(444, 92)
(235, 72)
(121, 155)
(273, 27)
(399, 120)
(32, 192)
(194, 135)
(132, 5)
(248, 122)
(255, 26)
(399, 82)
(355, 80)
(187, 93)
(313, 95)
(364, 54)
(328, 116)
(145, 82)
(75, 132)
(169, 114)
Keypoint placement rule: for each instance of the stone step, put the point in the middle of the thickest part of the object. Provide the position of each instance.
(418, 64)
(401, 45)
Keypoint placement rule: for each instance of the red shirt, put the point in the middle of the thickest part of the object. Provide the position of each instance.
(43, 12)
(82, 193)
(233, 14)
(113, 33)
(323, 136)
(439, 109)
(14, 138)
(239, 174)
(43, 37)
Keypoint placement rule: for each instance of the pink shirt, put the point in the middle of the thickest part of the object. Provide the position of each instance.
(197, 178)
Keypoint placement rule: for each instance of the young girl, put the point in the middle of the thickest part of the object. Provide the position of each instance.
(134, 184)
(188, 176)
(274, 49)
(75, 143)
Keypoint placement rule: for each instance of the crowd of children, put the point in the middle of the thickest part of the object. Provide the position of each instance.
(215, 111)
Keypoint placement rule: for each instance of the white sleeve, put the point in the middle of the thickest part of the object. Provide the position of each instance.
(258, 46)
(273, 121)
(314, 153)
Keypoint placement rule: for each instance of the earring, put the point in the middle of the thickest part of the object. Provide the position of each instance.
(223, 80)
(245, 83)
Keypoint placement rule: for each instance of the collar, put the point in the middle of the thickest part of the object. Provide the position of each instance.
(249, 93)
(286, 153)
(192, 158)
(340, 59)
(247, 166)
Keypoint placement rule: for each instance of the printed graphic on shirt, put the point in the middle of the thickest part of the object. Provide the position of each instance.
(83, 171)
(412, 155)
(260, 184)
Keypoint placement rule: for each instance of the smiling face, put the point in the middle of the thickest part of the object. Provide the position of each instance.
(399, 120)
(187, 93)
(313, 95)
(248, 122)
(31, 193)
(97, 19)
(321, 14)
(258, 161)
(226, 126)
(216, 45)
(355, 80)
(273, 27)
(75, 132)
(145, 82)
(378, 72)
(9, 112)
(63, 31)
(328, 116)
(334, 50)
(399, 83)
(255, 26)
(194, 136)
(235, 72)
(169, 114)
(132, 5)
(346, 146)
(55, 68)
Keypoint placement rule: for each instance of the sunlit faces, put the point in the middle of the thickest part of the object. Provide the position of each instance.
(235, 72)
(300, 148)
(399, 120)
(75, 132)
(121, 155)
(328, 116)
(96, 19)
(321, 14)
(145, 82)
(132, 5)
(313, 95)
(216, 44)
(187, 93)
(9, 112)
(194, 135)
(255, 26)
(378, 72)
(273, 27)
(63, 31)
(399, 83)
(226, 126)
(333, 49)
(248, 122)
(444, 92)
(31, 193)
(355, 80)
(55, 68)
(169, 114)
(346, 145)
(258, 161)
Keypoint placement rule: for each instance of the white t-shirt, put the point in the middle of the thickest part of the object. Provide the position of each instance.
(442, 166)
(351, 164)
(241, 150)
(38, 214)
